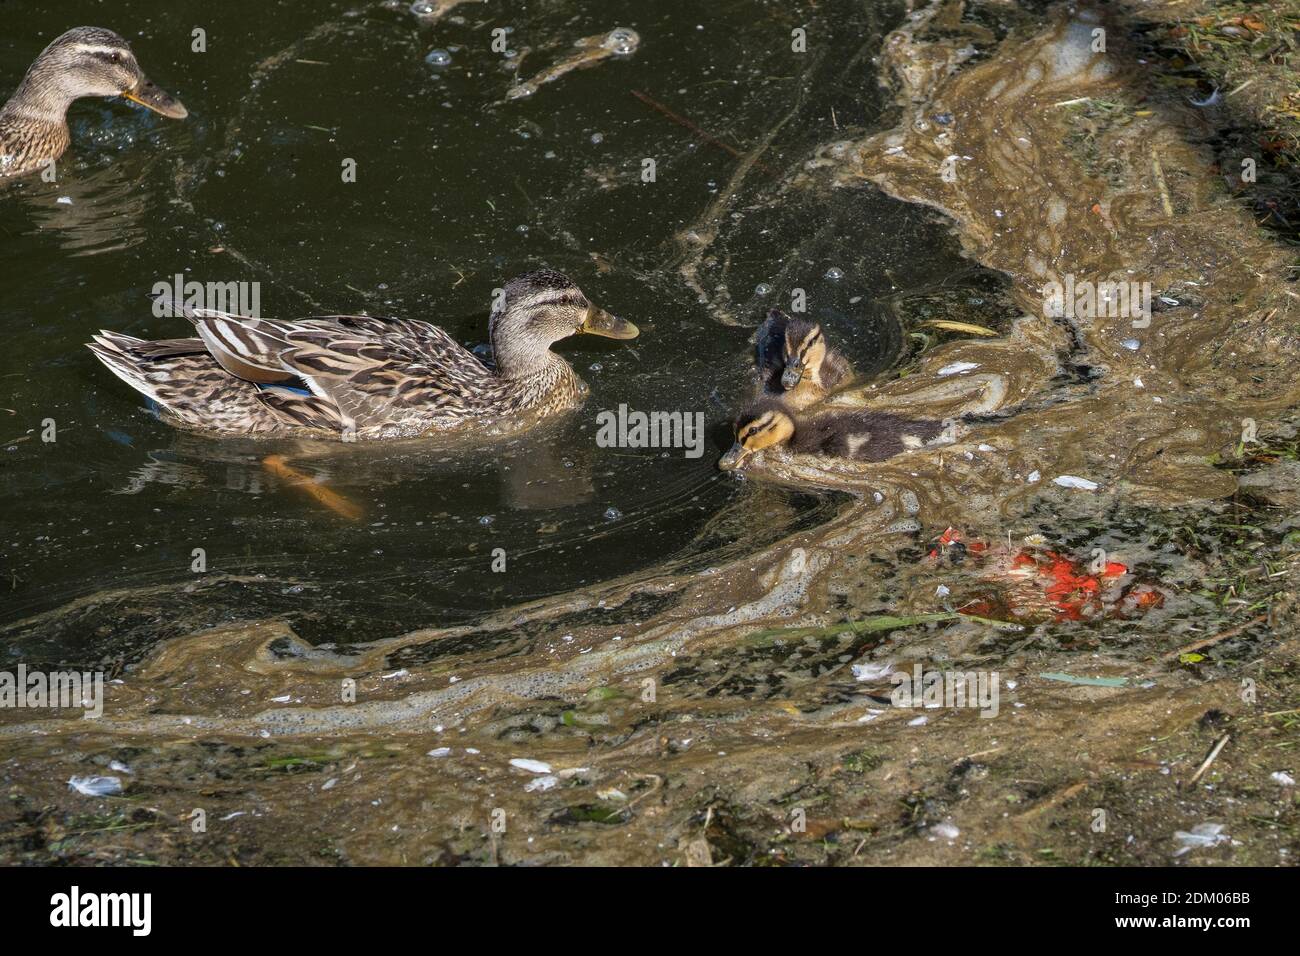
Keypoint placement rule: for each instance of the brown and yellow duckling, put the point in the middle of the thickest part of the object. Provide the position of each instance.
(795, 363)
(354, 377)
(85, 61)
(861, 435)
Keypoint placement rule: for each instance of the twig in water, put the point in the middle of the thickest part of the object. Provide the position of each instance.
(1223, 741)
(683, 122)
(1221, 636)
(1160, 183)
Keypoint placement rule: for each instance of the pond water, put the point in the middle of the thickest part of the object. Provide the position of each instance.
(457, 190)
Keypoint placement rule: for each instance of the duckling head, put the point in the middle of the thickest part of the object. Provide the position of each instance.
(761, 425)
(804, 352)
(535, 311)
(92, 61)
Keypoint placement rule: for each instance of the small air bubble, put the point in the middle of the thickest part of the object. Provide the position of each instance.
(438, 58)
(622, 41)
(762, 289)
(834, 274)
(612, 514)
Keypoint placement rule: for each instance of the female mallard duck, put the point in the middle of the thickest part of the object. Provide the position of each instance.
(86, 61)
(795, 363)
(861, 435)
(353, 377)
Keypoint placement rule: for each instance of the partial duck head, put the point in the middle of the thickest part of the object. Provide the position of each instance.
(88, 61)
(535, 311)
(804, 351)
(763, 424)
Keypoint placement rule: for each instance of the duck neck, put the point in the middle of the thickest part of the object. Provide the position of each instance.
(40, 98)
(533, 373)
(519, 348)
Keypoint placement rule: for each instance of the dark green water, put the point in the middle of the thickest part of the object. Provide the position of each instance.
(456, 192)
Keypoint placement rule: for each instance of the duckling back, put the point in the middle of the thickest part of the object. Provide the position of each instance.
(862, 435)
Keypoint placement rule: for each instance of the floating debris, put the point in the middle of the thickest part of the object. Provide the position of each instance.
(1201, 835)
(431, 11)
(1087, 681)
(949, 325)
(872, 671)
(541, 784)
(1035, 583)
(620, 41)
(532, 766)
(945, 831)
(96, 786)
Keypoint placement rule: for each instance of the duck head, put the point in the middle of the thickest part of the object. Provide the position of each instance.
(91, 61)
(804, 351)
(535, 311)
(761, 425)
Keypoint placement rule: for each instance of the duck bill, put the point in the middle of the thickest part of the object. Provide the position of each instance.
(154, 97)
(600, 322)
(734, 458)
(792, 375)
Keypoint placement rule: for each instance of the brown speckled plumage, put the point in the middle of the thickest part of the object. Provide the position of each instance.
(85, 61)
(357, 377)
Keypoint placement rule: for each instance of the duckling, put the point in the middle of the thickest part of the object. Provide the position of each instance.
(85, 61)
(354, 377)
(861, 435)
(794, 362)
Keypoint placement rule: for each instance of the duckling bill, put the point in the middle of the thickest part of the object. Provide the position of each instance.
(795, 362)
(85, 61)
(356, 377)
(855, 435)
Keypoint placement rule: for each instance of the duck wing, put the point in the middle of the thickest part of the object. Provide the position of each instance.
(366, 373)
